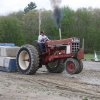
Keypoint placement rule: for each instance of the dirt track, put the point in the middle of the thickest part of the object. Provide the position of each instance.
(48, 86)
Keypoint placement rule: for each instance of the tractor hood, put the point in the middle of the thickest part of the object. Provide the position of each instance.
(62, 41)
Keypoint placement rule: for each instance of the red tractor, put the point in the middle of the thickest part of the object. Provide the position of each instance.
(58, 55)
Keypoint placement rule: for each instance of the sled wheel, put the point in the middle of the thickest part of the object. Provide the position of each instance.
(72, 66)
(27, 59)
(55, 67)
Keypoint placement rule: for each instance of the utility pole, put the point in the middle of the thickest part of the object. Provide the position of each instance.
(39, 21)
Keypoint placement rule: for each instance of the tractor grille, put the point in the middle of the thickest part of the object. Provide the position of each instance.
(75, 47)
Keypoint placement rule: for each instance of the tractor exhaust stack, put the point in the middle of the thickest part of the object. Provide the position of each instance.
(60, 33)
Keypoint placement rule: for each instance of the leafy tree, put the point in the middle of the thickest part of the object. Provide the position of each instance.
(1, 32)
(67, 22)
(31, 26)
(47, 24)
(11, 30)
(18, 14)
(30, 6)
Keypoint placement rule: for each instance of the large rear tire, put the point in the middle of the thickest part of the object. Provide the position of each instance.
(72, 66)
(55, 67)
(27, 59)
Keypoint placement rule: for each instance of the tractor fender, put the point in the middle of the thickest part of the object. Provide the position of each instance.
(80, 54)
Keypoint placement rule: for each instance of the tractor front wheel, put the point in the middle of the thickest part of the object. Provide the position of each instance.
(27, 59)
(72, 66)
(55, 67)
(80, 67)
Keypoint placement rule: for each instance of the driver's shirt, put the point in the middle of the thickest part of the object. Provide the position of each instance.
(40, 37)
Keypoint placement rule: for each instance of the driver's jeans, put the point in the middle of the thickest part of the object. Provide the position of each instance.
(41, 47)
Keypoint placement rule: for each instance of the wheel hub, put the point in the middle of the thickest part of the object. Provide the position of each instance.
(27, 60)
(24, 60)
(70, 66)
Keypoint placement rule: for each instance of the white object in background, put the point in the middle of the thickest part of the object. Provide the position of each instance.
(95, 57)
(2, 61)
(8, 51)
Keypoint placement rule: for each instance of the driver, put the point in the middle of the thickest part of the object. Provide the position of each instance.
(42, 38)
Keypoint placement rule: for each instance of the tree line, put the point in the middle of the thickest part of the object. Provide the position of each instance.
(22, 27)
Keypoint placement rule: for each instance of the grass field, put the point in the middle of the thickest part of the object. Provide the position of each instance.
(88, 56)
(91, 56)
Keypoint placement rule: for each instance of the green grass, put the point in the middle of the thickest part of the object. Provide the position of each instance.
(88, 56)
(85, 99)
(91, 56)
(98, 56)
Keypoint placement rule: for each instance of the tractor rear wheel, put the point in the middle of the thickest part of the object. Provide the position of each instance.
(72, 66)
(55, 67)
(27, 59)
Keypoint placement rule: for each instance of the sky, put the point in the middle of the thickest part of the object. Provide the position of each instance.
(8, 6)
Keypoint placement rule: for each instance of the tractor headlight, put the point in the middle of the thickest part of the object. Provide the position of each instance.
(75, 39)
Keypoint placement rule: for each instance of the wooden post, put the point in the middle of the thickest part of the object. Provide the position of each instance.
(39, 21)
